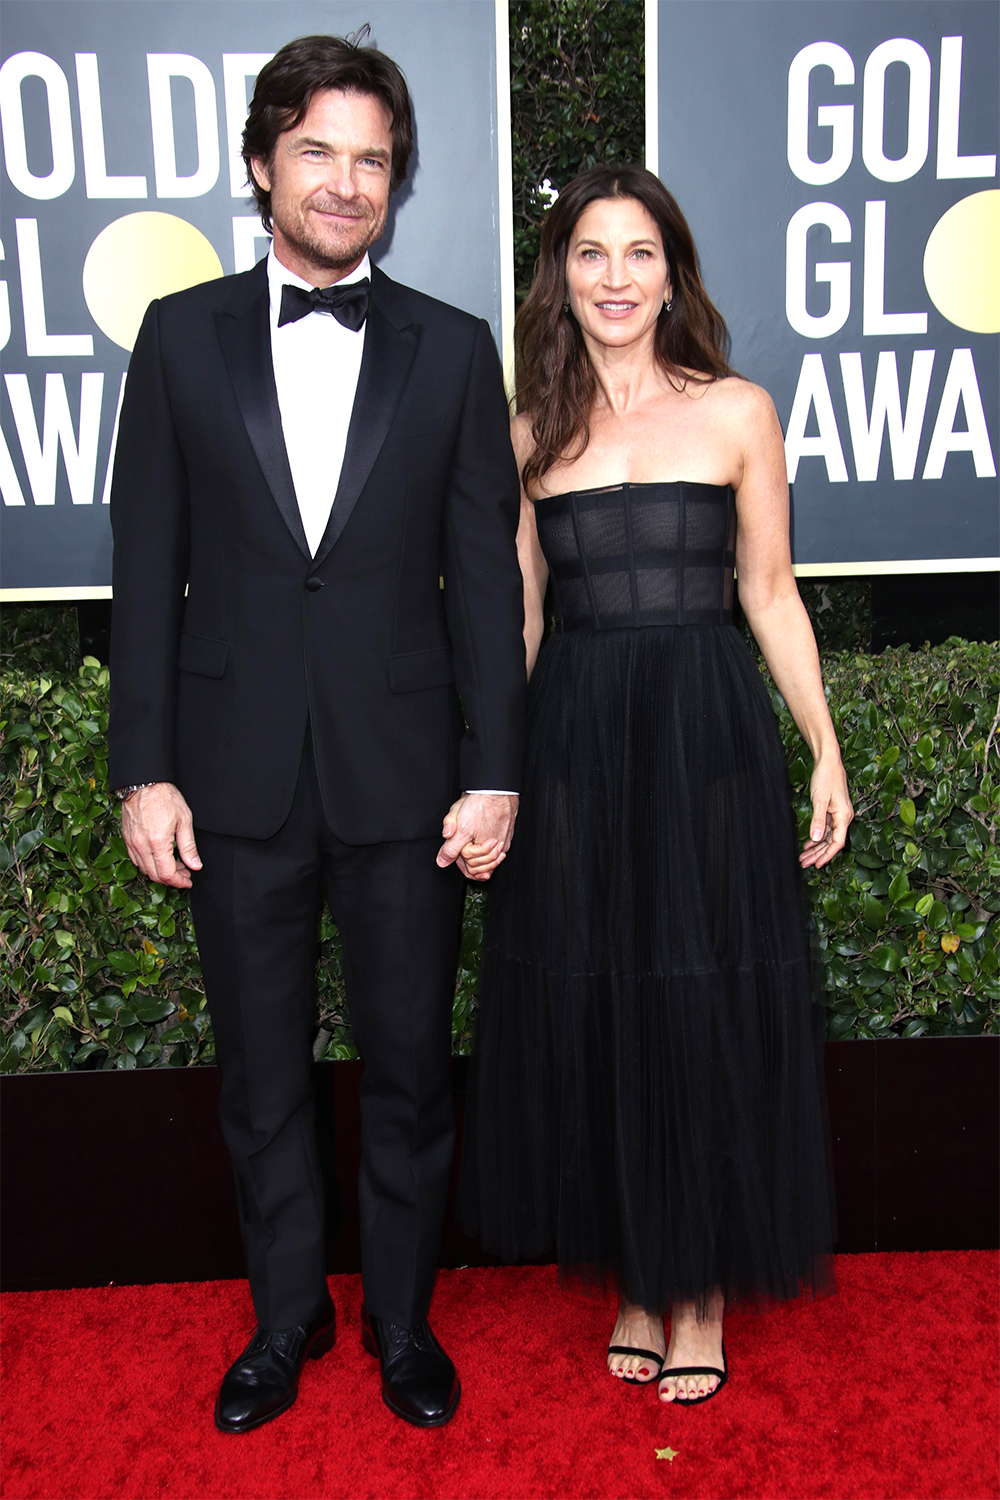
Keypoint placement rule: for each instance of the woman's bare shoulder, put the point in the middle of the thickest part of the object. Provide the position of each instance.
(742, 400)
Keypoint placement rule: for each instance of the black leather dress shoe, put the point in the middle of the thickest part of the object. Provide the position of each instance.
(419, 1382)
(264, 1381)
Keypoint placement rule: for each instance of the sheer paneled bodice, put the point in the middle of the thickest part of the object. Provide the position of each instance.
(640, 554)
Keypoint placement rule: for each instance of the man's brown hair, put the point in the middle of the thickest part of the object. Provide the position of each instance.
(285, 87)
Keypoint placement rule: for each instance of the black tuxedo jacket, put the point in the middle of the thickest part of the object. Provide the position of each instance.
(228, 638)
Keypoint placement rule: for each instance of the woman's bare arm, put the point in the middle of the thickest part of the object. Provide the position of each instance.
(534, 568)
(770, 600)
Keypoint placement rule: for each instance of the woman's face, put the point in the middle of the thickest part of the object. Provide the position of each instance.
(617, 278)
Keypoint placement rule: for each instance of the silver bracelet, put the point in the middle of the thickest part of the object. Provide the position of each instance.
(123, 793)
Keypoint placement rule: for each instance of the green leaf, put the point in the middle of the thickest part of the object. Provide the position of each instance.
(184, 1032)
(87, 1050)
(832, 906)
(924, 905)
(27, 842)
(124, 963)
(134, 1038)
(907, 811)
(874, 912)
(899, 887)
(62, 1013)
(886, 957)
(70, 704)
(106, 1006)
(153, 1009)
(798, 772)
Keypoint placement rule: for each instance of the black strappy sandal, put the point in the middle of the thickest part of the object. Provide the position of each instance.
(649, 1354)
(723, 1375)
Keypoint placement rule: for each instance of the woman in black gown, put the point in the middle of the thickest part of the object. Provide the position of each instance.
(647, 1090)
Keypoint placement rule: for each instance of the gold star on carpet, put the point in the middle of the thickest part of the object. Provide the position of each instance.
(668, 1453)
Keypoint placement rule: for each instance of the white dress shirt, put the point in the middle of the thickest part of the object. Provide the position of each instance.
(316, 364)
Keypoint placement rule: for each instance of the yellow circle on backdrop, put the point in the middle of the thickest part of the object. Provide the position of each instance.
(962, 263)
(137, 258)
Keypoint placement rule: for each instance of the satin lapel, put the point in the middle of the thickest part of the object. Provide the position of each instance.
(245, 335)
(385, 366)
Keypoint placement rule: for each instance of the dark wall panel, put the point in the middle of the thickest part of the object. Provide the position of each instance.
(123, 1177)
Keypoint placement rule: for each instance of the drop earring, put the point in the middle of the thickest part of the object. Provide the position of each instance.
(669, 305)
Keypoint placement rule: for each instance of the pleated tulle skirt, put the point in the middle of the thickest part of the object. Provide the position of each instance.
(646, 1096)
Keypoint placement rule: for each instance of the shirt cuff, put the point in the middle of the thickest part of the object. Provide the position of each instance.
(482, 791)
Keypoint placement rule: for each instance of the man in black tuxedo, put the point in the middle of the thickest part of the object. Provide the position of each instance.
(315, 579)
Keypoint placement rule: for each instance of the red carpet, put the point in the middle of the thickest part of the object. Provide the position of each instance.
(887, 1389)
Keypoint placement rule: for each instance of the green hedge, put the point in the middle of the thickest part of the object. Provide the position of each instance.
(907, 916)
(100, 968)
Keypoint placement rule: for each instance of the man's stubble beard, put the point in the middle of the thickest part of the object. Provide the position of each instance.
(318, 252)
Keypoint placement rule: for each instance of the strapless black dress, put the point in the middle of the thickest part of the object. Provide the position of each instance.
(646, 1095)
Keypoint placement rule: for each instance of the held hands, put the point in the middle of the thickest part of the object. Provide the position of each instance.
(153, 819)
(831, 815)
(477, 831)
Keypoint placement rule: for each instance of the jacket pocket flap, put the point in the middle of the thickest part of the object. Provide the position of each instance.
(201, 654)
(412, 671)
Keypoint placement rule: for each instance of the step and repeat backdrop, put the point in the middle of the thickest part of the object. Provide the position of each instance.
(837, 163)
(121, 123)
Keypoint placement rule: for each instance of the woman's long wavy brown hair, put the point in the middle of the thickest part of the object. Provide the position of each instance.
(554, 379)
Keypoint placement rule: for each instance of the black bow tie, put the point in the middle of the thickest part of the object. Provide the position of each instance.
(348, 304)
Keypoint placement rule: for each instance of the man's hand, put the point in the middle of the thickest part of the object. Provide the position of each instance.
(153, 819)
(483, 821)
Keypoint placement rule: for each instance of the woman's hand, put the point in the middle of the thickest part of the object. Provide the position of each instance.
(478, 861)
(831, 815)
(482, 822)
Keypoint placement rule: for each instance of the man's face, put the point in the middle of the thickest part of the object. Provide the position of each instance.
(329, 183)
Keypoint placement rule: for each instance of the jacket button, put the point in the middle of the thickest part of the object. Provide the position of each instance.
(314, 585)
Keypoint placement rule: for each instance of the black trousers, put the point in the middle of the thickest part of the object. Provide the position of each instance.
(256, 909)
